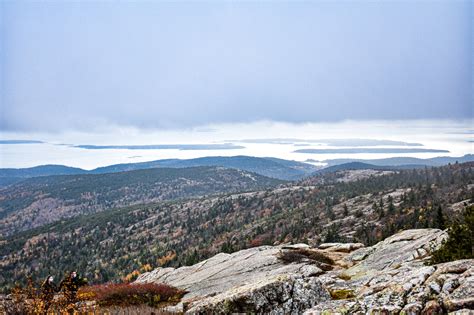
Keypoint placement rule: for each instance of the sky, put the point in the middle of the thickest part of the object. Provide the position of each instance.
(200, 73)
(155, 64)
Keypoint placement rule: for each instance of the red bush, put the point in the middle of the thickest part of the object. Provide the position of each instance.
(126, 294)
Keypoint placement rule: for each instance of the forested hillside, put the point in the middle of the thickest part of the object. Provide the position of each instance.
(270, 167)
(41, 200)
(120, 243)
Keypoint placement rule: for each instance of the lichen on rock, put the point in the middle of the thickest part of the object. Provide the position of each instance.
(388, 278)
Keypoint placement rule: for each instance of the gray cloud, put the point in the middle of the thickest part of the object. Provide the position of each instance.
(467, 132)
(331, 142)
(369, 150)
(85, 65)
(183, 147)
(301, 144)
(20, 141)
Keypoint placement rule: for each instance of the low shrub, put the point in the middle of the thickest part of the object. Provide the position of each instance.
(128, 294)
(100, 299)
(301, 254)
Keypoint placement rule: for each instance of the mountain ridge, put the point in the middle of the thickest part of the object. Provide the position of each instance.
(400, 161)
(270, 167)
(266, 166)
(39, 200)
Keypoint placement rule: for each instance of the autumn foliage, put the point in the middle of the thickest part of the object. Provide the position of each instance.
(128, 294)
(93, 299)
(135, 273)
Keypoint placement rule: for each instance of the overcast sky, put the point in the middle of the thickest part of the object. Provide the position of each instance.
(86, 65)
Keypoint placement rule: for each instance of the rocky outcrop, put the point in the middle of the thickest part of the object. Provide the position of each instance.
(255, 279)
(390, 278)
(404, 247)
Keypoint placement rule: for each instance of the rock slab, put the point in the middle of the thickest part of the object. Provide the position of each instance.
(390, 277)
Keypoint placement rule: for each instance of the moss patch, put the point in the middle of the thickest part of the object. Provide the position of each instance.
(341, 294)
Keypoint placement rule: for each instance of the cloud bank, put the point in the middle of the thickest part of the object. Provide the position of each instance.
(85, 65)
(368, 150)
(331, 142)
(225, 146)
(20, 141)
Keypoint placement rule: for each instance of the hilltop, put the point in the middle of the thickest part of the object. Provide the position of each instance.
(266, 166)
(270, 167)
(402, 161)
(117, 243)
(40, 200)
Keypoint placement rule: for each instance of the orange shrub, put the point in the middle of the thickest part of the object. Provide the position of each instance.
(127, 294)
(167, 258)
(131, 276)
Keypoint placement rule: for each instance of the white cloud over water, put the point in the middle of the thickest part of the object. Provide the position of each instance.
(60, 148)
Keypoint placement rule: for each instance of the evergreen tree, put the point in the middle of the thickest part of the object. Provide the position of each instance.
(460, 242)
(346, 211)
(391, 207)
(439, 223)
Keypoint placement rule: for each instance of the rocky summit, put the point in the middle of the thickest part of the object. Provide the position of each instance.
(390, 277)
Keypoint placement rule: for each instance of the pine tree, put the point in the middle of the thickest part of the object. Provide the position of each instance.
(346, 211)
(440, 223)
(391, 207)
(460, 242)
